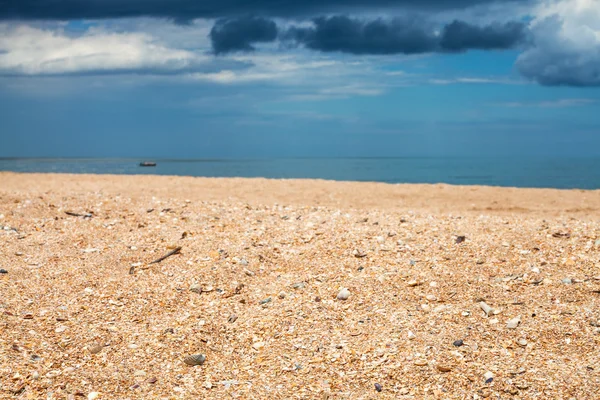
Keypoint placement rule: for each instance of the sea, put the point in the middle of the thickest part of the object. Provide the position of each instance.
(535, 172)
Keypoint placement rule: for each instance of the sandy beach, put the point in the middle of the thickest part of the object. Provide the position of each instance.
(258, 289)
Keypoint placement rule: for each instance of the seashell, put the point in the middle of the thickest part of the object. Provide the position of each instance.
(344, 294)
(195, 359)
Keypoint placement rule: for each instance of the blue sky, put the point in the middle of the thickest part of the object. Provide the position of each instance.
(519, 78)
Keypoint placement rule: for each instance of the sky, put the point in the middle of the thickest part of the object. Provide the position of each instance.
(290, 78)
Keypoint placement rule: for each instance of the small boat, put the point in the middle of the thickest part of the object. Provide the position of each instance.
(147, 164)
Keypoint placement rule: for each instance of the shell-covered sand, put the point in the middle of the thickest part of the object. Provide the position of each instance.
(254, 288)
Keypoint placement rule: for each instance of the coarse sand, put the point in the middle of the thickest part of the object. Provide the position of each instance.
(295, 289)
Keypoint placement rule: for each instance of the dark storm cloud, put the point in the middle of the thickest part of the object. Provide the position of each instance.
(356, 36)
(348, 35)
(239, 34)
(183, 10)
(461, 36)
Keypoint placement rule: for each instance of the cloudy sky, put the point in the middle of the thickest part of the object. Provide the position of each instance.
(280, 78)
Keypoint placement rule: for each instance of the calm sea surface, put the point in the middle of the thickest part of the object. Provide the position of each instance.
(583, 173)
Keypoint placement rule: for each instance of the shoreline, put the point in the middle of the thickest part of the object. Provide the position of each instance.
(439, 198)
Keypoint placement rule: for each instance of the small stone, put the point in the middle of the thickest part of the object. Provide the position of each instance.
(299, 285)
(317, 299)
(3, 271)
(139, 373)
(404, 391)
(152, 380)
(195, 359)
(244, 262)
(444, 368)
(93, 395)
(535, 270)
(281, 295)
(28, 316)
(258, 345)
(433, 284)
(35, 375)
(420, 362)
(458, 343)
(95, 349)
(232, 318)
(344, 294)
(493, 321)
(413, 283)
(431, 297)
(567, 281)
(265, 301)
(60, 329)
(465, 313)
(513, 323)
(132, 346)
(196, 288)
(248, 272)
(378, 387)
(522, 342)
(411, 335)
(460, 239)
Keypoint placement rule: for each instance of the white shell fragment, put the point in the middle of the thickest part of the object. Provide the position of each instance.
(486, 309)
(513, 323)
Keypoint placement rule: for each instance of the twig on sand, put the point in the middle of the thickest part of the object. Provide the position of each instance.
(88, 215)
(176, 250)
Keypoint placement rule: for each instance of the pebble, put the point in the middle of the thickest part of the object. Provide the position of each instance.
(431, 297)
(196, 289)
(35, 375)
(93, 395)
(535, 270)
(420, 362)
(378, 387)
(344, 294)
(299, 285)
(411, 335)
(244, 262)
(95, 349)
(567, 281)
(60, 329)
(281, 295)
(139, 373)
(232, 318)
(413, 283)
(513, 323)
(265, 301)
(444, 368)
(195, 359)
(522, 342)
(3, 271)
(258, 345)
(458, 343)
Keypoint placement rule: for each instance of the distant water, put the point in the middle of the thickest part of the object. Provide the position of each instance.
(583, 173)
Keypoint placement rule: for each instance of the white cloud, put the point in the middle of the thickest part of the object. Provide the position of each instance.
(474, 80)
(26, 50)
(566, 48)
(560, 103)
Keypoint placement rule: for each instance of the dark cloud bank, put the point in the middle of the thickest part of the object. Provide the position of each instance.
(355, 36)
(182, 10)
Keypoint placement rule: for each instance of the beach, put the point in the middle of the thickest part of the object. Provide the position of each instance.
(256, 279)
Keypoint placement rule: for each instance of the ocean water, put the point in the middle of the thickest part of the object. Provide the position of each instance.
(546, 172)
